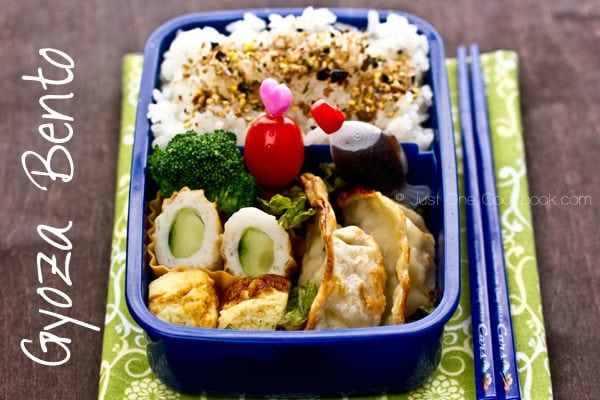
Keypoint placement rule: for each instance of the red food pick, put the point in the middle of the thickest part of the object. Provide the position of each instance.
(328, 117)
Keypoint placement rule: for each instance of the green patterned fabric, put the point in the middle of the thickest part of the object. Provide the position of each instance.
(125, 373)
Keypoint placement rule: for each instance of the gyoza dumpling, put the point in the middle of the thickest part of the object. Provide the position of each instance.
(255, 244)
(422, 261)
(188, 231)
(407, 246)
(345, 263)
(387, 224)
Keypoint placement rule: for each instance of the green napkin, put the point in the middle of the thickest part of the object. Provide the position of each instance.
(125, 374)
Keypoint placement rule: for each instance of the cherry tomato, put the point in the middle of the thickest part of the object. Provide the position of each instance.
(274, 150)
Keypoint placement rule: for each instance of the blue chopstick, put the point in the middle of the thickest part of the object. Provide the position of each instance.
(480, 307)
(505, 355)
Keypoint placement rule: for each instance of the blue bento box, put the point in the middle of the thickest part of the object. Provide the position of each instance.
(376, 360)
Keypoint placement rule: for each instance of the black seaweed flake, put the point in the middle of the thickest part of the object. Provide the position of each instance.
(221, 56)
(323, 74)
(243, 87)
(338, 75)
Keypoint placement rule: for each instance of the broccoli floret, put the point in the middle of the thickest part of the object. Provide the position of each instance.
(241, 191)
(210, 161)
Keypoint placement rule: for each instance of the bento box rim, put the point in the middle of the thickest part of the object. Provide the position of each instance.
(137, 195)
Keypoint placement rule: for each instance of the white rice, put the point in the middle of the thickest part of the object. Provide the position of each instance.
(174, 110)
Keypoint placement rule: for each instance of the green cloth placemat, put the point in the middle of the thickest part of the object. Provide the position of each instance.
(125, 374)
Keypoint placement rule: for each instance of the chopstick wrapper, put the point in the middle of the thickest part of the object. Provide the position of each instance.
(124, 371)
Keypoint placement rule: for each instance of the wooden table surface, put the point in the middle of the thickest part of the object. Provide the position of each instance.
(557, 42)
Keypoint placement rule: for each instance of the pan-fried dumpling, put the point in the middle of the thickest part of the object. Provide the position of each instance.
(188, 231)
(315, 263)
(422, 261)
(407, 246)
(345, 263)
(387, 224)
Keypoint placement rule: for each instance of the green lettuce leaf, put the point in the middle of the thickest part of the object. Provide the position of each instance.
(298, 306)
(291, 208)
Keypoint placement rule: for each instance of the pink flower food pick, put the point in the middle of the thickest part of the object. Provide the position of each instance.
(275, 96)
